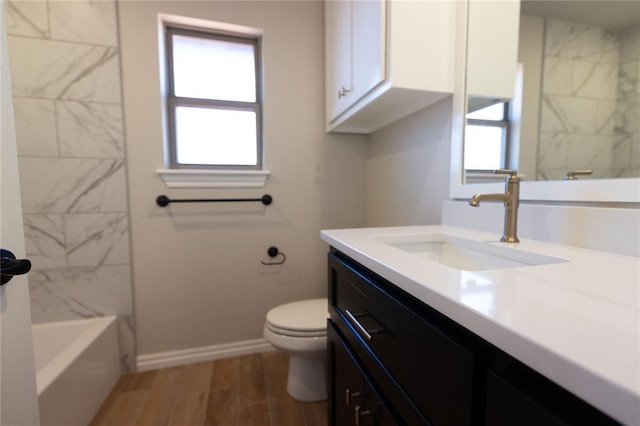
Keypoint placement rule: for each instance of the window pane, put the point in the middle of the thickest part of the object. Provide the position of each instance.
(216, 136)
(213, 69)
(494, 113)
(483, 148)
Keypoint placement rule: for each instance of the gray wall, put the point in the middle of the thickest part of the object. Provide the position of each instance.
(407, 174)
(64, 60)
(198, 278)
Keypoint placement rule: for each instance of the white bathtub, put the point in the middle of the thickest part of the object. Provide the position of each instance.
(77, 365)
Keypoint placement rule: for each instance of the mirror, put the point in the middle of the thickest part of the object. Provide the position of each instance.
(570, 103)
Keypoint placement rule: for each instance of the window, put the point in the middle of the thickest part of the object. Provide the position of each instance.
(213, 99)
(492, 134)
(486, 136)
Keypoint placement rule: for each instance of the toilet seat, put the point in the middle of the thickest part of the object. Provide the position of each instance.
(295, 333)
(304, 318)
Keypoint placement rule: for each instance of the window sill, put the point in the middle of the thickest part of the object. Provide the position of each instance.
(181, 178)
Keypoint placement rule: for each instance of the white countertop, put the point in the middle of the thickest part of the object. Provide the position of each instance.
(575, 322)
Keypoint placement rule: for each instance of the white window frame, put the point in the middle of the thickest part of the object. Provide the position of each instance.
(505, 125)
(510, 150)
(177, 175)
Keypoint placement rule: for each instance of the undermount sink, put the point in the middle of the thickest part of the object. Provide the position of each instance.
(466, 255)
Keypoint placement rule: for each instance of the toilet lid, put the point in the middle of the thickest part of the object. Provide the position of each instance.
(304, 315)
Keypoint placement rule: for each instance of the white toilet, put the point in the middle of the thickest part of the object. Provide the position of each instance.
(300, 330)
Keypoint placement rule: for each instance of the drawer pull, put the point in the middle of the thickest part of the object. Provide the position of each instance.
(366, 334)
(348, 395)
(360, 414)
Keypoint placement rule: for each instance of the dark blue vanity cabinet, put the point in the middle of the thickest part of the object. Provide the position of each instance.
(392, 359)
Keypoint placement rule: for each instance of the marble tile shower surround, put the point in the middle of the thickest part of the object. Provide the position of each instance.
(65, 67)
(589, 113)
(626, 156)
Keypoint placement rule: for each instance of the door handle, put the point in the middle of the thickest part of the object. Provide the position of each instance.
(10, 266)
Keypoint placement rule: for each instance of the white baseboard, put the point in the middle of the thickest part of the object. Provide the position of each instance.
(201, 354)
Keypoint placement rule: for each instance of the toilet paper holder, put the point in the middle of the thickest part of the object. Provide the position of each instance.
(273, 252)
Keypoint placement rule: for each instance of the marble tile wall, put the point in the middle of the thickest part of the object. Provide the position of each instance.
(65, 69)
(579, 91)
(585, 118)
(626, 154)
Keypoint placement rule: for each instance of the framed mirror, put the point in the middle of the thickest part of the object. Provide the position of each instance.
(549, 88)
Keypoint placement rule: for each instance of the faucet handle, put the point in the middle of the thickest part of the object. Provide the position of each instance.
(512, 173)
(571, 174)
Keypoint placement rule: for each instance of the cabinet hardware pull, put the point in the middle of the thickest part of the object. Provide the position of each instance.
(348, 395)
(343, 92)
(360, 414)
(367, 334)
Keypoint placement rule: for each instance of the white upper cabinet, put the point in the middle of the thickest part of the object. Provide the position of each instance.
(338, 42)
(386, 59)
(492, 51)
(368, 46)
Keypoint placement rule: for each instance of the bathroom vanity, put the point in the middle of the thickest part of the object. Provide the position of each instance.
(447, 326)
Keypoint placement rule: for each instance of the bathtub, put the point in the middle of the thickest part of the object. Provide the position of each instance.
(77, 365)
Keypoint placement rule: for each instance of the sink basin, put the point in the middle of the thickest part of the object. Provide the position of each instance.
(466, 255)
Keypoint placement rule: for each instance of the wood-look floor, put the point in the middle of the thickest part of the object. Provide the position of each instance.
(243, 391)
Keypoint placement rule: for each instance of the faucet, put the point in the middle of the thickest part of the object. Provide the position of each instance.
(511, 199)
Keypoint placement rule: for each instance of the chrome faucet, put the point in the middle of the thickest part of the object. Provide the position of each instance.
(511, 199)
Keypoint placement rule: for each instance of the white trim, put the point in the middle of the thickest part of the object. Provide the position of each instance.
(165, 18)
(201, 354)
(191, 178)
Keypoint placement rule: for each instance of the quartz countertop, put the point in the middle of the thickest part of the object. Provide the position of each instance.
(577, 322)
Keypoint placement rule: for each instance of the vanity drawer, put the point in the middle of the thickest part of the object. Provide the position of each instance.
(434, 369)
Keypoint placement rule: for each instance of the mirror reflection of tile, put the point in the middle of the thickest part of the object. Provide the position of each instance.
(589, 99)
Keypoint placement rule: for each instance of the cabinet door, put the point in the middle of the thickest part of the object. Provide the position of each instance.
(352, 398)
(338, 55)
(369, 46)
(373, 412)
(346, 382)
(492, 50)
(507, 406)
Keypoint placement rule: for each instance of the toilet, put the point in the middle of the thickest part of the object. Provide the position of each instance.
(299, 329)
